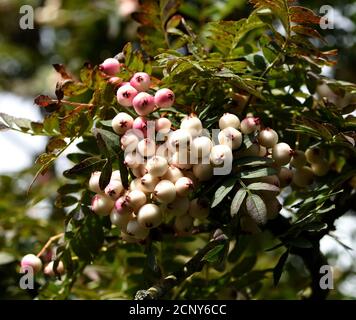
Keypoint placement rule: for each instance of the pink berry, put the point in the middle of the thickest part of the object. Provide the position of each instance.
(30, 260)
(110, 66)
(141, 81)
(49, 269)
(121, 206)
(249, 125)
(140, 123)
(163, 125)
(164, 98)
(125, 94)
(143, 103)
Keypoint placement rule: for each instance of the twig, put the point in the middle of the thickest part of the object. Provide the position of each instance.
(49, 242)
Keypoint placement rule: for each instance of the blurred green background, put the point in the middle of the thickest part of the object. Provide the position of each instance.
(75, 32)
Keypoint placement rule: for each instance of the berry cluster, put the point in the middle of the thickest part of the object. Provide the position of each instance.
(35, 263)
(167, 164)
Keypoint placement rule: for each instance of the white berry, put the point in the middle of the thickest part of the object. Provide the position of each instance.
(281, 153)
(136, 230)
(183, 186)
(114, 189)
(149, 216)
(165, 191)
(102, 205)
(122, 122)
(268, 138)
(178, 207)
(230, 137)
(136, 199)
(229, 120)
(157, 166)
(192, 124)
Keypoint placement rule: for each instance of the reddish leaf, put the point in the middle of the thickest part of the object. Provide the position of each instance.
(303, 15)
(43, 101)
(308, 31)
(55, 143)
(62, 71)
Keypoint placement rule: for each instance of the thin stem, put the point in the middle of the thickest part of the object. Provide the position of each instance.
(49, 242)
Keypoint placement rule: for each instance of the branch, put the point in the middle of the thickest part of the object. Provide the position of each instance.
(195, 264)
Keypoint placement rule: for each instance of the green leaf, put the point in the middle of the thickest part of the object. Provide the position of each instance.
(63, 201)
(237, 201)
(108, 142)
(71, 88)
(22, 124)
(256, 173)
(256, 208)
(85, 167)
(105, 175)
(263, 186)
(223, 191)
(69, 188)
(214, 254)
(278, 269)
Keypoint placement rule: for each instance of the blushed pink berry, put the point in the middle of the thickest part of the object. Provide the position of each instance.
(121, 206)
(30, 260)
(141, 81)
(249, 125)
(110, 66)
(163, 125)
(164, 98)
(140, 123)
(143, 103)
(125, 94)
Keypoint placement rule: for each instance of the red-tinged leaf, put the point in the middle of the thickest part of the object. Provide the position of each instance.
(45, 158)
(174, 22)
(71, 88)
(43, 101)
(307, 31)
(55, 144)
(62, 71)
(303, 15)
